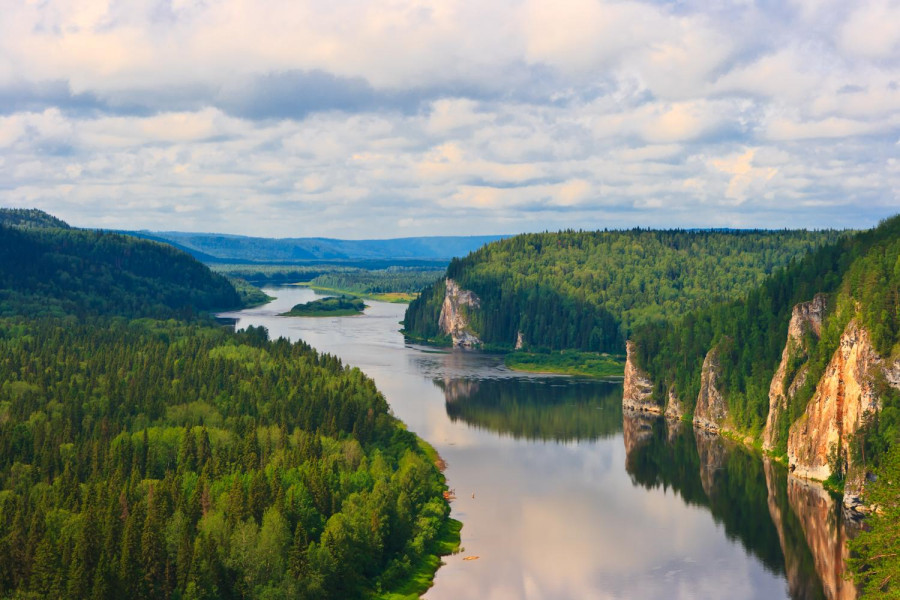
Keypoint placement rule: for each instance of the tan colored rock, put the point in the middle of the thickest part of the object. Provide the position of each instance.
(674, 407)
(805, 317)
(454, 318)
(711, 412)
(638, 389)
(843, 396)
(520, 341)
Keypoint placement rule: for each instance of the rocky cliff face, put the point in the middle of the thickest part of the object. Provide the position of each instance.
(638, 388)
(674, 407)
(454, 319)
(844, 394)
(805, 318)
(711, 412)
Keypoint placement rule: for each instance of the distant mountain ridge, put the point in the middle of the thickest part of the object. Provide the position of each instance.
(216, 247)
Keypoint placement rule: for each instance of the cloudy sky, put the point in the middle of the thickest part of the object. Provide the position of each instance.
(360, 119)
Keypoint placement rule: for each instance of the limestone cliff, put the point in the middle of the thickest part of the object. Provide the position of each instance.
(454, 319)
(674, 407)
(711, 412)
(806, 318)
(638, 389)
(819, 439)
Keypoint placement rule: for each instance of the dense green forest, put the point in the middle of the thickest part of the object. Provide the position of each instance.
(30, 218)
(862, 275)
(149, 458)
(589, 290)
(58, 271)
(341, 306)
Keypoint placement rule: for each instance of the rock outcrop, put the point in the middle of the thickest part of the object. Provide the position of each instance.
(638, 389)
(454, 319)
(711, 412)
(806, 318)
(819, 439)
(674, 407)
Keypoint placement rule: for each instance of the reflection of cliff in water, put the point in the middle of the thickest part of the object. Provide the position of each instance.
(826, 534)
(748, 498)
(537, 409)
(798, 561)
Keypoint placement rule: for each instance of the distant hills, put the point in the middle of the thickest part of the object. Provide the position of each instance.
(223, 248)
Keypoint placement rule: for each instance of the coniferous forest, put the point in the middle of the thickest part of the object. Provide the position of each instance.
(589, 290)
(147, 452)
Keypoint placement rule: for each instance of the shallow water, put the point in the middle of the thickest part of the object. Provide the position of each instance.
(562, 496)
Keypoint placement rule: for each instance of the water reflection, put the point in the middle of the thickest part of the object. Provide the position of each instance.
(793, 527)
(555, 505)
(554, 409)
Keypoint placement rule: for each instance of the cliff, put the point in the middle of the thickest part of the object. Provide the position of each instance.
(806, 318)
(638, 389)
(819, 440)
(711, 412)
(674, 406)
(454, 318)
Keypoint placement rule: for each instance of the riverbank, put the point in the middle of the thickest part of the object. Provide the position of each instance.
(391, 297)
(567, 362)
(447, 542)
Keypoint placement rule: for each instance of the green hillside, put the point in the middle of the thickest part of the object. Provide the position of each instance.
(52, 271)
(589, 290)
(146, 458)
(862, 275)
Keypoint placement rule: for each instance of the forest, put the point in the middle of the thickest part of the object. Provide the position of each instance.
(53, 271)
(589, 290)
(341, 306)
(861, 273)
(147, 452)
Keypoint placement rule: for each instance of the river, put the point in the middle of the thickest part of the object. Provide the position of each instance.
(563, 496)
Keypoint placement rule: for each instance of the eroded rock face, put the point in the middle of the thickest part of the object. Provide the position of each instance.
(805, 318)
(638, 389)
(674, 407)
(454, 319)
(843, 396)
(711, 412)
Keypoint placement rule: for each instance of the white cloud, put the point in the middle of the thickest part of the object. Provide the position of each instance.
(360, 119)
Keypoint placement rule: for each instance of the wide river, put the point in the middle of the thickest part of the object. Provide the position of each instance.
(564, 496)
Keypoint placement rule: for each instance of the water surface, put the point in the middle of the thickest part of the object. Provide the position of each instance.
(563, 496)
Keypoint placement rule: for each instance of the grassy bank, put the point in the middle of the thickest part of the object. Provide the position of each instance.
(422, 576)
(567, 362)
(392, 297)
